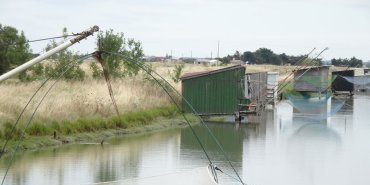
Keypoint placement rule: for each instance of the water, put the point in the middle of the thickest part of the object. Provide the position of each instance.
(286, 148)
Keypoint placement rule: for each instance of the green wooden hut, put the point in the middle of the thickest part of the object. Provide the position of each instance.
(215, 92)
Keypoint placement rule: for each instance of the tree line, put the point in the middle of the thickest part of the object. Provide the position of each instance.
(267, 56)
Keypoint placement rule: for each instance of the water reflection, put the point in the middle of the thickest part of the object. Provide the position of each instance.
(284, 148)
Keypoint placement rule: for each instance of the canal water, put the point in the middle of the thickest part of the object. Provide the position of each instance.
(285, 148)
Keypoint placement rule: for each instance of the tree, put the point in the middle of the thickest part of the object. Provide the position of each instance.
(354, 62)
(284, 59)
(116, 43)
(225, 60)
(54, 68)
(176, 73)
(248, 57)
(266, 56)
(236, 55)
(14, 49)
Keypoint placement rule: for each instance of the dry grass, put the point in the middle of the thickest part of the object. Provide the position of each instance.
(70, 101)
(90, 98)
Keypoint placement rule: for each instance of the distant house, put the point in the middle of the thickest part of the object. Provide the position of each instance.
(153, 59)
(340, 83)
(313, 79)
(207, 61)
(237, 62)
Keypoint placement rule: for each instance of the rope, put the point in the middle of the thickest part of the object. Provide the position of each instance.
(20, 139)
(29, 101)
(190, 106)
(229, 175)
(174, 101)
(289, 82)
(50, 38)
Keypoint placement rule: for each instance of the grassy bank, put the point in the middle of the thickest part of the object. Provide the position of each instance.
(40, 135)
(83, 110)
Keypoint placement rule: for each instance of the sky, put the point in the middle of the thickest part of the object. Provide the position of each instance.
(194, 27)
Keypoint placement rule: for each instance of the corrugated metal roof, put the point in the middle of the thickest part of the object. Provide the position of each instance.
(204, 73)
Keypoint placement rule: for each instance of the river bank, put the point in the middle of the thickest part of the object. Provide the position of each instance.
(40, 135)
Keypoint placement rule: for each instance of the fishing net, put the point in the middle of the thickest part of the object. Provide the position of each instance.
(317, 108)
(358, 80)
(313, 81)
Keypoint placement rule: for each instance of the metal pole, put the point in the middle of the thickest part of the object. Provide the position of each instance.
(40, 58)
(218, 49)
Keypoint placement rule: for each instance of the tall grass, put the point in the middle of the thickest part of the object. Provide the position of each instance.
(74, 100)
(86, 106)
(87, 99)
(84, 125)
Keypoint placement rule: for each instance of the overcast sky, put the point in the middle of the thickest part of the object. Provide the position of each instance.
(285, 26)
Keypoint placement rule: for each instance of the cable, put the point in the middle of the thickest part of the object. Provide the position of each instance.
(187, 102)
(29, 101)
(192, 129)
(306, 68)
(50, 38)
(29, 121)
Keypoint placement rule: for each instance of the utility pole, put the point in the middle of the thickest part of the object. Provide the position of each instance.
(218, 49)
(211, 55)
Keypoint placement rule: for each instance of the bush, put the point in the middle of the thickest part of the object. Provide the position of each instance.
(176, 73)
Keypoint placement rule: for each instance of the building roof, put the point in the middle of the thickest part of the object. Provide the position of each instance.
(205, 73)
(314, 67)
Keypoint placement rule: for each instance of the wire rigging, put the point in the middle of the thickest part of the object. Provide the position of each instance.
(51, 38)
(188, 104)
(20, 139)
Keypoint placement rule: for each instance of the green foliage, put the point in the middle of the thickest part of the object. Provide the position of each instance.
(266, 56)
(249, 57)
(61, 59)
(176, 73)
(352, 62)
(56, 67)
(116, 43)
(83, 125)
(225, 60)
(38, 129)
(237, 55)
(7, 131)
(14, 49)
(97, 71)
